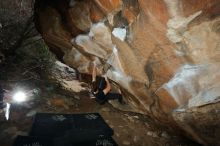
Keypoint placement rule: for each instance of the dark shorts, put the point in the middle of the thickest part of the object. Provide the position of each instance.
(100, 97)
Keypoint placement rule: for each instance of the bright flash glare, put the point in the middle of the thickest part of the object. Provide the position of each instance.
(115, 50)
(7, 112)
(117, 74)
(19, 96)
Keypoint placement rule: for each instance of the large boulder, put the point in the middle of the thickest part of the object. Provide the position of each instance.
(164, 53)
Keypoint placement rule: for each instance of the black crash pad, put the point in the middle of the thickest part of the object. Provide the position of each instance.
(77, 127)
(32, 141)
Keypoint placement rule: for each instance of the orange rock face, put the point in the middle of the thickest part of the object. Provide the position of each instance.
(156, 9)
(95, 13)
(164, 53)
(109, 5)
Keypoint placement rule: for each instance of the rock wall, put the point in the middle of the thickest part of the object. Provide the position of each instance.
(15, 18)
(164, 53)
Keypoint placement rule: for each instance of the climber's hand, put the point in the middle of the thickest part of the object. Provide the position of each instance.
(105, 76)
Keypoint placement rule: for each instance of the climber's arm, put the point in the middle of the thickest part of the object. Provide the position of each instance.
(94, 73)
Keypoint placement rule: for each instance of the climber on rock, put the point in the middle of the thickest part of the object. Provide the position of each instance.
(102, 89)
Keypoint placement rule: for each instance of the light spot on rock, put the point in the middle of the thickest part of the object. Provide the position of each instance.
(152, 134)
(125, 142)
(105, 109)
(111, 126)
(119, 33)
(90, 46)
(195, 84)
(31, 113)
(165, 135)
(136, 138)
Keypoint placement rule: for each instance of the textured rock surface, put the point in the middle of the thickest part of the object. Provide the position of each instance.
(201, 122)
(164, 53)
(15, 19)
